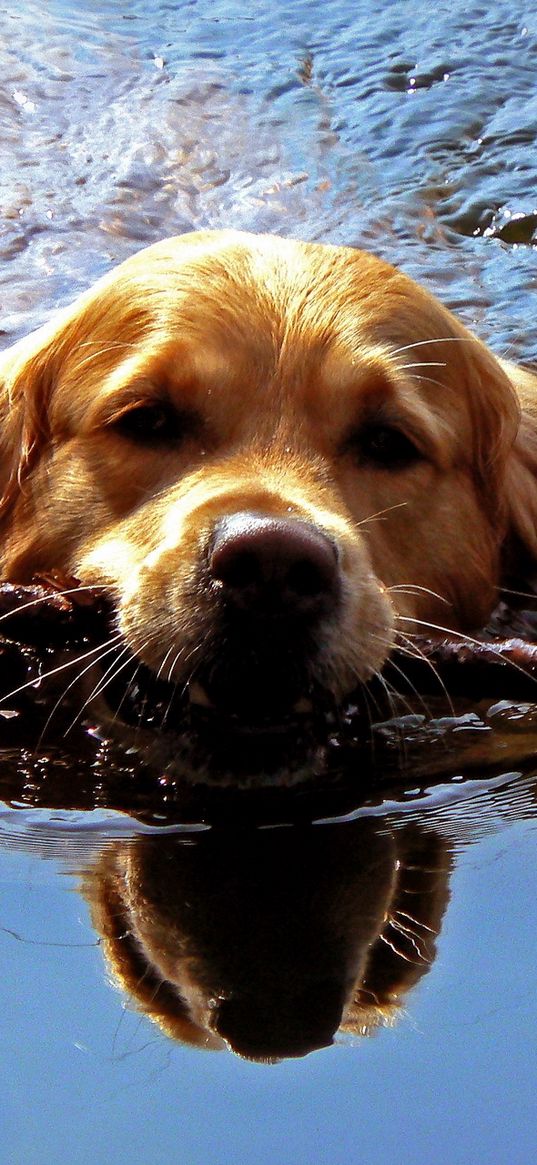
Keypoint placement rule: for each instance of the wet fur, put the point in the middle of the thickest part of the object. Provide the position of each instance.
(280, 353)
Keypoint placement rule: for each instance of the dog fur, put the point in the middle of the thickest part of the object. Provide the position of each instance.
(288, 400)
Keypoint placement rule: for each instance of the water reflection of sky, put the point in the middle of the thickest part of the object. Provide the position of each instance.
(453, 1080)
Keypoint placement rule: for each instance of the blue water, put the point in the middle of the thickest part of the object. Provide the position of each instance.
(452, 1081)
(408, 132)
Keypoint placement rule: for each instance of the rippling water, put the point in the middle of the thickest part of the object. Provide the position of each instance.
(408, 133)
(411, 132)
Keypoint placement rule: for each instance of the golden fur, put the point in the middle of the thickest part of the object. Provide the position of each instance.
(274, 357)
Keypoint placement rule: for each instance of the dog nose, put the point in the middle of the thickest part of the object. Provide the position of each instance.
(274, 565)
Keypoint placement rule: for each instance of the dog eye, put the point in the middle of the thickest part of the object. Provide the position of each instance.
(385, 446)
(155, 423)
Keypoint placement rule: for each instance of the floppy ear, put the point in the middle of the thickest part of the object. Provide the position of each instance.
(521, 472)
(502, 400)
(30, 369)
(27, 372)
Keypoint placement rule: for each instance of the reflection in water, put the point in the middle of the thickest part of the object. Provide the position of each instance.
(267, 938)
(271, 940)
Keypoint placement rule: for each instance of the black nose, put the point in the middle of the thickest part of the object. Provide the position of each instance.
(275, 565)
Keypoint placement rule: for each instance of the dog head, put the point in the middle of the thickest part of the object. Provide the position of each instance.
(276, 458)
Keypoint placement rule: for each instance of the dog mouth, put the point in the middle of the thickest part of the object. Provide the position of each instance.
(253, 693)
(256, 704)
(149, 702)
(239, 714)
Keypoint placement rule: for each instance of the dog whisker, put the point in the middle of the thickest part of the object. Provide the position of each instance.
(427, 380)
(108, 679)
(94, 663)
(394, 697)
(433, 340)
(179, 653)
(37, 680)
(392, 693)
(164, 662)
(419, 697)
(44, 599)
(462, 637)
(128, 685)
(416, 589)
(381, 513)
(166, 713)
(519, 594)
(412, 651)
(369, 699)
(103, 682)
(423, 364)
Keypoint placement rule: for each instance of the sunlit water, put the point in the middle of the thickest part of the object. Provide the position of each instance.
(411, 133)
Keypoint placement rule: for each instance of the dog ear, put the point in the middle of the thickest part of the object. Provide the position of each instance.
(521, 472)
(27, 372)
(100, 320)
(502, 403)
(502, 400)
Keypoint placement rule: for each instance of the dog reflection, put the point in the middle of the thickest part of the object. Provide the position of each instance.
(270, 941)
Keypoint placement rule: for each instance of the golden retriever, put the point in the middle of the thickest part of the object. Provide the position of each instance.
(277, 458)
